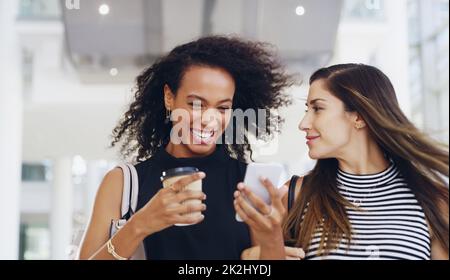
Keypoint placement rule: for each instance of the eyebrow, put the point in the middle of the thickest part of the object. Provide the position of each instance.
(314, 101)
(203, 99)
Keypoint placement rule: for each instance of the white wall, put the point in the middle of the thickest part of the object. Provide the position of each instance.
(383, 44)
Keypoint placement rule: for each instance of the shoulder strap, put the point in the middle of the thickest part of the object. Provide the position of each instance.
(126, 189)
(291, 199)
(291, 193)
(130, 190)
(134, 187)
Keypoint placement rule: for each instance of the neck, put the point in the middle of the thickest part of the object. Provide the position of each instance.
(182, 151)
(363, 159)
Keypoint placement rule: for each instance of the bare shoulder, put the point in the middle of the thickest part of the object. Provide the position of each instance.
(112, 182)
(114, 177)
(298, 186)
(108, 200)
(111, 186)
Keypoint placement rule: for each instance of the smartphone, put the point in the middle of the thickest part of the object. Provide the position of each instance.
(272, 171)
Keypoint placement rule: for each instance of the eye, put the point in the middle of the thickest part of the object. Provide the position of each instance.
(224, 109)
(315, 109)
(195, 103)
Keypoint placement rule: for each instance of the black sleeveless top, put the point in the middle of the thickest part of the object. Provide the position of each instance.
(219, 236)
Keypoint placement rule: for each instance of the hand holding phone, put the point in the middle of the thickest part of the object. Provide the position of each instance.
(272, 171)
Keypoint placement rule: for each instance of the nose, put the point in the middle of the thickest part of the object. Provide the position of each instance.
(305, 123)
(211, 118)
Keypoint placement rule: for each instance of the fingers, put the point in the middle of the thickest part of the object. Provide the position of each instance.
(302, 253)
(294, 253)
(251, 213)
(188, 194)
(273, 192)
(180, 184)
(243, 215)
(188, 208)
(189, 219)
(251, 253)
(260, 205)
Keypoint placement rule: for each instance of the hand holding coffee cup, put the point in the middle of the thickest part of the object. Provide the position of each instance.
(168, 206)
(170, 178)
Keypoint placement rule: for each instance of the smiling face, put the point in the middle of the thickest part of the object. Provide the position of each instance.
(330, 129)
(201, 108)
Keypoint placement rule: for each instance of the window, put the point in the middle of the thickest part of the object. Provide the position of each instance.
(39, 10)
(364, 9)
(34, 242)
(35, 172)
(429, 65)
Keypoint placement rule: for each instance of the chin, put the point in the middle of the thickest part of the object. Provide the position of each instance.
(315, 155)
(201, 149)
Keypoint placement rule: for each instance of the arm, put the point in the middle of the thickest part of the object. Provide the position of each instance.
(291, 253)
(438, 251)
(162, 211)
(107, 207)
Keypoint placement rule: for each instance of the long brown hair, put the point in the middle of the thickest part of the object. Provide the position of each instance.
(422, 161)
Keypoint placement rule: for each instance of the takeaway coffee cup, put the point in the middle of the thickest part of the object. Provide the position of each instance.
(169, 177)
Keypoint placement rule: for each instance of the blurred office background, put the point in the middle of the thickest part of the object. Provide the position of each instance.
(67, 70)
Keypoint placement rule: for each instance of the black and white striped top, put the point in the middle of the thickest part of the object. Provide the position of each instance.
(389, 224)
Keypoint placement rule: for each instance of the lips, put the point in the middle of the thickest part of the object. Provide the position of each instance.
(311, 139)
(203, 136)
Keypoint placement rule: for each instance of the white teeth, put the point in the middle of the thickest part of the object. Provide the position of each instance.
(203, 135)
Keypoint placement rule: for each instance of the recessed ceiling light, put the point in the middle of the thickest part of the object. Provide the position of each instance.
(300, 10)
(103, 9)
(113, 72)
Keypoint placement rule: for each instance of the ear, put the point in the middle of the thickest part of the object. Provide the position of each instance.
(359, 122)
(168, 97)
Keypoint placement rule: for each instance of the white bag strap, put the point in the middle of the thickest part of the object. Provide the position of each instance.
(126, 189)
(134, 187)
(130, 184)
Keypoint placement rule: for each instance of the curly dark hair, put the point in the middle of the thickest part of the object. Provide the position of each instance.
(259, 83)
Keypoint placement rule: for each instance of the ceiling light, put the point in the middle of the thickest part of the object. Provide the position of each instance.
(103, 9)
(300, 10)
(113, 72)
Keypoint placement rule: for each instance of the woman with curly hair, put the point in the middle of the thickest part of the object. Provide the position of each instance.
(215, 76)
(379, 189)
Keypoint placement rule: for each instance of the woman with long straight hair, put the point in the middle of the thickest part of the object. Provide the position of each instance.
(379, 188)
